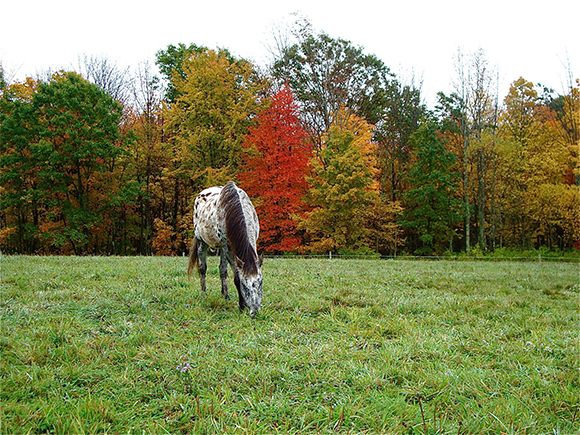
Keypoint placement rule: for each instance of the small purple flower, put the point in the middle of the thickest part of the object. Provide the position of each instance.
(184, 367)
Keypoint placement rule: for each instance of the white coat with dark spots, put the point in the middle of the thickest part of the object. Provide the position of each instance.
(225, 219)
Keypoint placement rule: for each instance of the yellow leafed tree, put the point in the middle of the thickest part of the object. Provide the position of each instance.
(344, 188)
(538, 164)
(217, 99)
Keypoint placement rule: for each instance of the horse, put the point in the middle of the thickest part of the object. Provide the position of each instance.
(225, 219)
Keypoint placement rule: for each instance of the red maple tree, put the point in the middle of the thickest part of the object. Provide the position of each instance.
(274, 172)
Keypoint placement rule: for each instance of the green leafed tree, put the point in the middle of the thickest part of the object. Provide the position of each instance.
(19, 185)
(400, 119)
(430, 209)
(60, 143)
(170, 63)
(2, 78)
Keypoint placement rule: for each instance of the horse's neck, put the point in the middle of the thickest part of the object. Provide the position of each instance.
(252, 229)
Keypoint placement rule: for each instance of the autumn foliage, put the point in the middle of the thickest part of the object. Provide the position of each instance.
(274, 173)
(336, 154)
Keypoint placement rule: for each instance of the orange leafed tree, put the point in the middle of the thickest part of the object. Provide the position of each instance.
(274, 173)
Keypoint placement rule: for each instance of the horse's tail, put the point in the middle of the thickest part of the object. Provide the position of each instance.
(193, 260)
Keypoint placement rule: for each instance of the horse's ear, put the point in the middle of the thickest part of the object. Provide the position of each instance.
(239, 262)
(261, 260)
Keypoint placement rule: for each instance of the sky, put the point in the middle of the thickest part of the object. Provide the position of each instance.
(414, 38)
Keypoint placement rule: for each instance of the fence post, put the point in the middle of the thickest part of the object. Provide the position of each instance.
(330, 255)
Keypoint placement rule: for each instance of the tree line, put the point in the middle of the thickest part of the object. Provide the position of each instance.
(337, 153)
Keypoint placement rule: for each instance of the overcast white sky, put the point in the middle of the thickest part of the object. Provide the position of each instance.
(535, 40)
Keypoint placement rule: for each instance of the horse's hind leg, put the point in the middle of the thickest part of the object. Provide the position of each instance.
(202, 265)
(224, 273)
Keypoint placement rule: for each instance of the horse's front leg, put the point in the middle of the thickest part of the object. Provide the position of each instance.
(224, 273)
(237, 282)
(202, 248)
(226, 258)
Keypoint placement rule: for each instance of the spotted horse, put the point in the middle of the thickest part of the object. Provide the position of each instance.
(225, 219)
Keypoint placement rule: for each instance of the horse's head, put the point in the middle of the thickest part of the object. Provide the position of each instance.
(251, 287)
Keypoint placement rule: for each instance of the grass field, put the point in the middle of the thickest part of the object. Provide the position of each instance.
(128, 346)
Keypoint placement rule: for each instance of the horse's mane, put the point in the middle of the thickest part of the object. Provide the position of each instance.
(236, 228)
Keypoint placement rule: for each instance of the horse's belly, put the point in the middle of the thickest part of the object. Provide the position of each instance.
(209, 236)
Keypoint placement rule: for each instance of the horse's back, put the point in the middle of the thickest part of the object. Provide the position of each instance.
(205, 216)
(209, 222)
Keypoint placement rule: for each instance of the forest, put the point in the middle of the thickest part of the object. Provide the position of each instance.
(337, 153)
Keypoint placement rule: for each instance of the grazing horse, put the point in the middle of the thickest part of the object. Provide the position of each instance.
(224, 218)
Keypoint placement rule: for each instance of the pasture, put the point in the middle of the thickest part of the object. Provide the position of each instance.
(127, 345)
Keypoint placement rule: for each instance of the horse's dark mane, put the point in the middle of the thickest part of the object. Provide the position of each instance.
(236, 228)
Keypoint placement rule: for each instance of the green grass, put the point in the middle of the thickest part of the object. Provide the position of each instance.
(127, 345)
